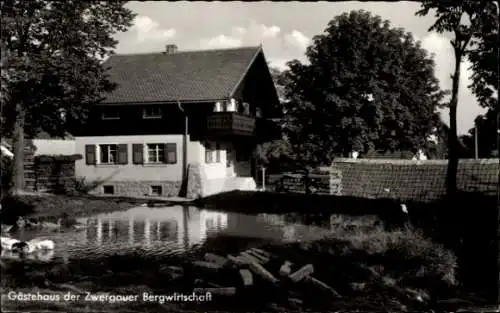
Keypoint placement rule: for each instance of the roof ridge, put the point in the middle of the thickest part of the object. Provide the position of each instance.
(188, 51)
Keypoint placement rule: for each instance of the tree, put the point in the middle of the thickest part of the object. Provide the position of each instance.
(51, 64)
(466, 20)
(486, 126)
(278, 154)
(366, 87)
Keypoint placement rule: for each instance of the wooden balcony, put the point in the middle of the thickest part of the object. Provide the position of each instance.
(231, 123)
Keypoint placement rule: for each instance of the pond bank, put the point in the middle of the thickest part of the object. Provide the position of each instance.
(366, 269)
(49, 207)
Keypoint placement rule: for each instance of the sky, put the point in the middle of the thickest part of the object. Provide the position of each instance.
(284, 29)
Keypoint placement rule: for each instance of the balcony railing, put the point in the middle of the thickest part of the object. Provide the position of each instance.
(231, 123)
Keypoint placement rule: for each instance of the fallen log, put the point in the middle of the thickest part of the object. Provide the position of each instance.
(295, 301)
(236, 260)
(217, 259)
(254, 254)
(175, 269)
(201, 282)
(207, 265)
(250, 258)
(262, 272)
(285, 269)
(276, 308)
(247, 277)
(261, 252)
(323, 286)
(302, 273)
(222, 291)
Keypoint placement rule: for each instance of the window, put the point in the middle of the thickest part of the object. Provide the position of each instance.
(258, 112)
(151, 113)
(108, 189)
(156, 153)
(110, 114)
(109, 154)
(156, 190)
(209, 154)
(246, 108)
(217, 153)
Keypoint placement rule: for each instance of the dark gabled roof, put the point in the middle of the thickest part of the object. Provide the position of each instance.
(205, 75)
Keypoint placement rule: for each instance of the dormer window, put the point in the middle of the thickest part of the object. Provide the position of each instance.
(246, 108)
(151, 113)
(110, 114)
(258, 112)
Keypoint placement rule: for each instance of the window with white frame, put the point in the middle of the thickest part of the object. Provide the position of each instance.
(110, 114)
(209, 153)
(108, 154)
(156, 152)
(152, 112)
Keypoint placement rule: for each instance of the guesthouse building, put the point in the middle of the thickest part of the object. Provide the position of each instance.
(178, 123)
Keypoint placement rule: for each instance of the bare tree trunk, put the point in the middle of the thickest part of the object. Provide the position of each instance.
(18, 149)
(451, 174)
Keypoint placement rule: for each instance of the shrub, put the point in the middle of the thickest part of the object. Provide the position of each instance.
(13, 207)
(6, 180)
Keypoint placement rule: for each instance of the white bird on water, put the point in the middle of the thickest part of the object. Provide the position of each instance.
(42, 244)
(404, 208)
(29, 246)
(8, 243)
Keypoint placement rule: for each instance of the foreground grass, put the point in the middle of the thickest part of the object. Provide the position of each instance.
(371, 268)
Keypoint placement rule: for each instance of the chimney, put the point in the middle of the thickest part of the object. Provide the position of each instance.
(170, 49)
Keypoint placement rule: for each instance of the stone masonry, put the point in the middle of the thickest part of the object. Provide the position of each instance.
(139, 188)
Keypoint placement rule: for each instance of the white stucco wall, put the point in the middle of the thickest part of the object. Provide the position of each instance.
(130, 171)
(215, 172)
(54, 147)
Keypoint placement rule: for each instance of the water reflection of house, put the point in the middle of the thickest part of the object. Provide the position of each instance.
(146, 226)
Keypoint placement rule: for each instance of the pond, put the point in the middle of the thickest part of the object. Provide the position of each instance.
(171, 230)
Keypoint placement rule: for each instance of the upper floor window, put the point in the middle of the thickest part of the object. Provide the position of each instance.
(246, 108)
(151, 113)
(110, 114)
(258, 112)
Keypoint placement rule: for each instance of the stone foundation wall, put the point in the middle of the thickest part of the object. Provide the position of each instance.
(196, 179)
(139, 188)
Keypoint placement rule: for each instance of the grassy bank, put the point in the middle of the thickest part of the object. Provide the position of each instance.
(50, 207)
(370, 268)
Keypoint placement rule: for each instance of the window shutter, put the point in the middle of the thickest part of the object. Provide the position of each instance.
(122, 154)
(137, 153)
(170, 151)
(90, 156)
